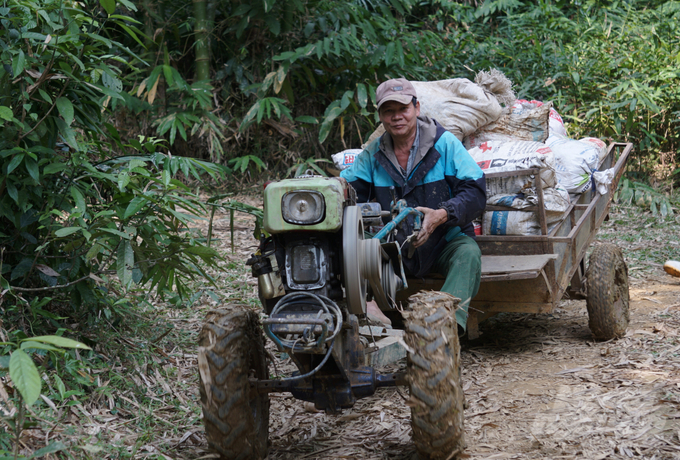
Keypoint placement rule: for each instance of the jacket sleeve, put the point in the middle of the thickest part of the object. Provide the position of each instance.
(466, 181)
(360, 176)
(468, 202)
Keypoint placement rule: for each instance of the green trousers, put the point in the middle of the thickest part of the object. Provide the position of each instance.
(461, 263)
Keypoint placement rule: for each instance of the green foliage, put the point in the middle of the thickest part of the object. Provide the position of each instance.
(310, 69)
(187, 107)
(644, 196)
(318, 67)
(246, 163)
(23, 371)
(141, 232)
(17, 362)
(73, 220)
(610, 67)
(234, 206)
(310, 164)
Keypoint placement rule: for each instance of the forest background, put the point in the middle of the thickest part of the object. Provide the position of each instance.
(113, 111)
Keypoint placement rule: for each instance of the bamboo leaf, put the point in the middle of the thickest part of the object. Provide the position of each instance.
(25, 376)
(30, 344)
(51, 448)
(93, 251)
(6, 113)
(280, 78)
(59, 341)
(125, 262)
(307, 119)
(201, 251)
(16, 161)
(135, 205)
(53, 168)
(389, 53)
(123, 180)
(67, 133)
(66, 231)
(32, 168)
(362, 95)
(18, 64)
(325, 130)
(346, 99)
(108, 5)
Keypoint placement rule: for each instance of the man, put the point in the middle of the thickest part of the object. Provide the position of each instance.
(432, 171)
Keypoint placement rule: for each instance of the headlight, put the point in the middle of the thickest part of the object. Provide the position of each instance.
(303, 207)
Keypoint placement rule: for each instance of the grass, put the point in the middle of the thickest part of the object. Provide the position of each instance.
(648, 240)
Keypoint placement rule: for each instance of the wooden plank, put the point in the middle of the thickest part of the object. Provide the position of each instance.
(532, 290)
(385, 351)
(510, 276)
(511, 264)
(519, 172)
(491, 308)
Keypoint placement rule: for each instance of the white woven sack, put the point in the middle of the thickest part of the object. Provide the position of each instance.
(499, 156)
(556, 124)
(575, 162)
(521, 122)
(516, 222)
(555, 200)
(598, 144)
(345, 159)
(459, 105)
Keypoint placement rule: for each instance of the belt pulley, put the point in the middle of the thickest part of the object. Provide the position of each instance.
(365, 260)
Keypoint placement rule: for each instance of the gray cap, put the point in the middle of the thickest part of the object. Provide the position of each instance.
(397, 89)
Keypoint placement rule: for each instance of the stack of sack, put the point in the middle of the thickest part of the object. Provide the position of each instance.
(533, 126)
(505, 134)
(521, 191)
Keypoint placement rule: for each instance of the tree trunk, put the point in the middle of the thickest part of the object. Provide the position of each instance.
(201, 30)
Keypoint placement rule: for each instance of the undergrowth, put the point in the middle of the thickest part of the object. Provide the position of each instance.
(647, 236)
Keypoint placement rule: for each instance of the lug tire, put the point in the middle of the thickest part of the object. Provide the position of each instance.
(433, 374)
(607, 292)
(231, 349)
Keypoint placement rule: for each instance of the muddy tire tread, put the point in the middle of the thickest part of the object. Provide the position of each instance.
(607, 293)
(233, 347)
(433, 374)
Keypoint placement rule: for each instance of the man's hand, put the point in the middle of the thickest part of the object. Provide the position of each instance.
(432, 218)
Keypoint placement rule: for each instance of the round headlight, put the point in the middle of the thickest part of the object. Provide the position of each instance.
(303, 207)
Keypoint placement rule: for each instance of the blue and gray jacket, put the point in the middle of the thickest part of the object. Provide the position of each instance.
(444, 176)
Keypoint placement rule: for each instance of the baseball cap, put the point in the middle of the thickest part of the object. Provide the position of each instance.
(397, 89)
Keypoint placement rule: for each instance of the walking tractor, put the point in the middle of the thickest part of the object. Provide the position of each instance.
(315, 272)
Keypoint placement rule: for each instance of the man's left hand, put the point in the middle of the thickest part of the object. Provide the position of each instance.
(432, 218)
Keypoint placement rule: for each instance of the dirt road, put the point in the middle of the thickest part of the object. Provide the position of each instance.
(537, 386)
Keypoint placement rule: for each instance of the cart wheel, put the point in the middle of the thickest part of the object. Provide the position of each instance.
(231, 350)
(607, 288)
(433, 373)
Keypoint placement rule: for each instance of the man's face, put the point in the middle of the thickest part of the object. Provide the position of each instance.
(399, 119)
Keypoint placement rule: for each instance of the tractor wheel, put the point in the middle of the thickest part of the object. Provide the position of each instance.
(231, 349)
(607, 292)
(433, 374)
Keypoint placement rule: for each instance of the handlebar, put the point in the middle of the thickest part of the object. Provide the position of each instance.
(402, 211)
